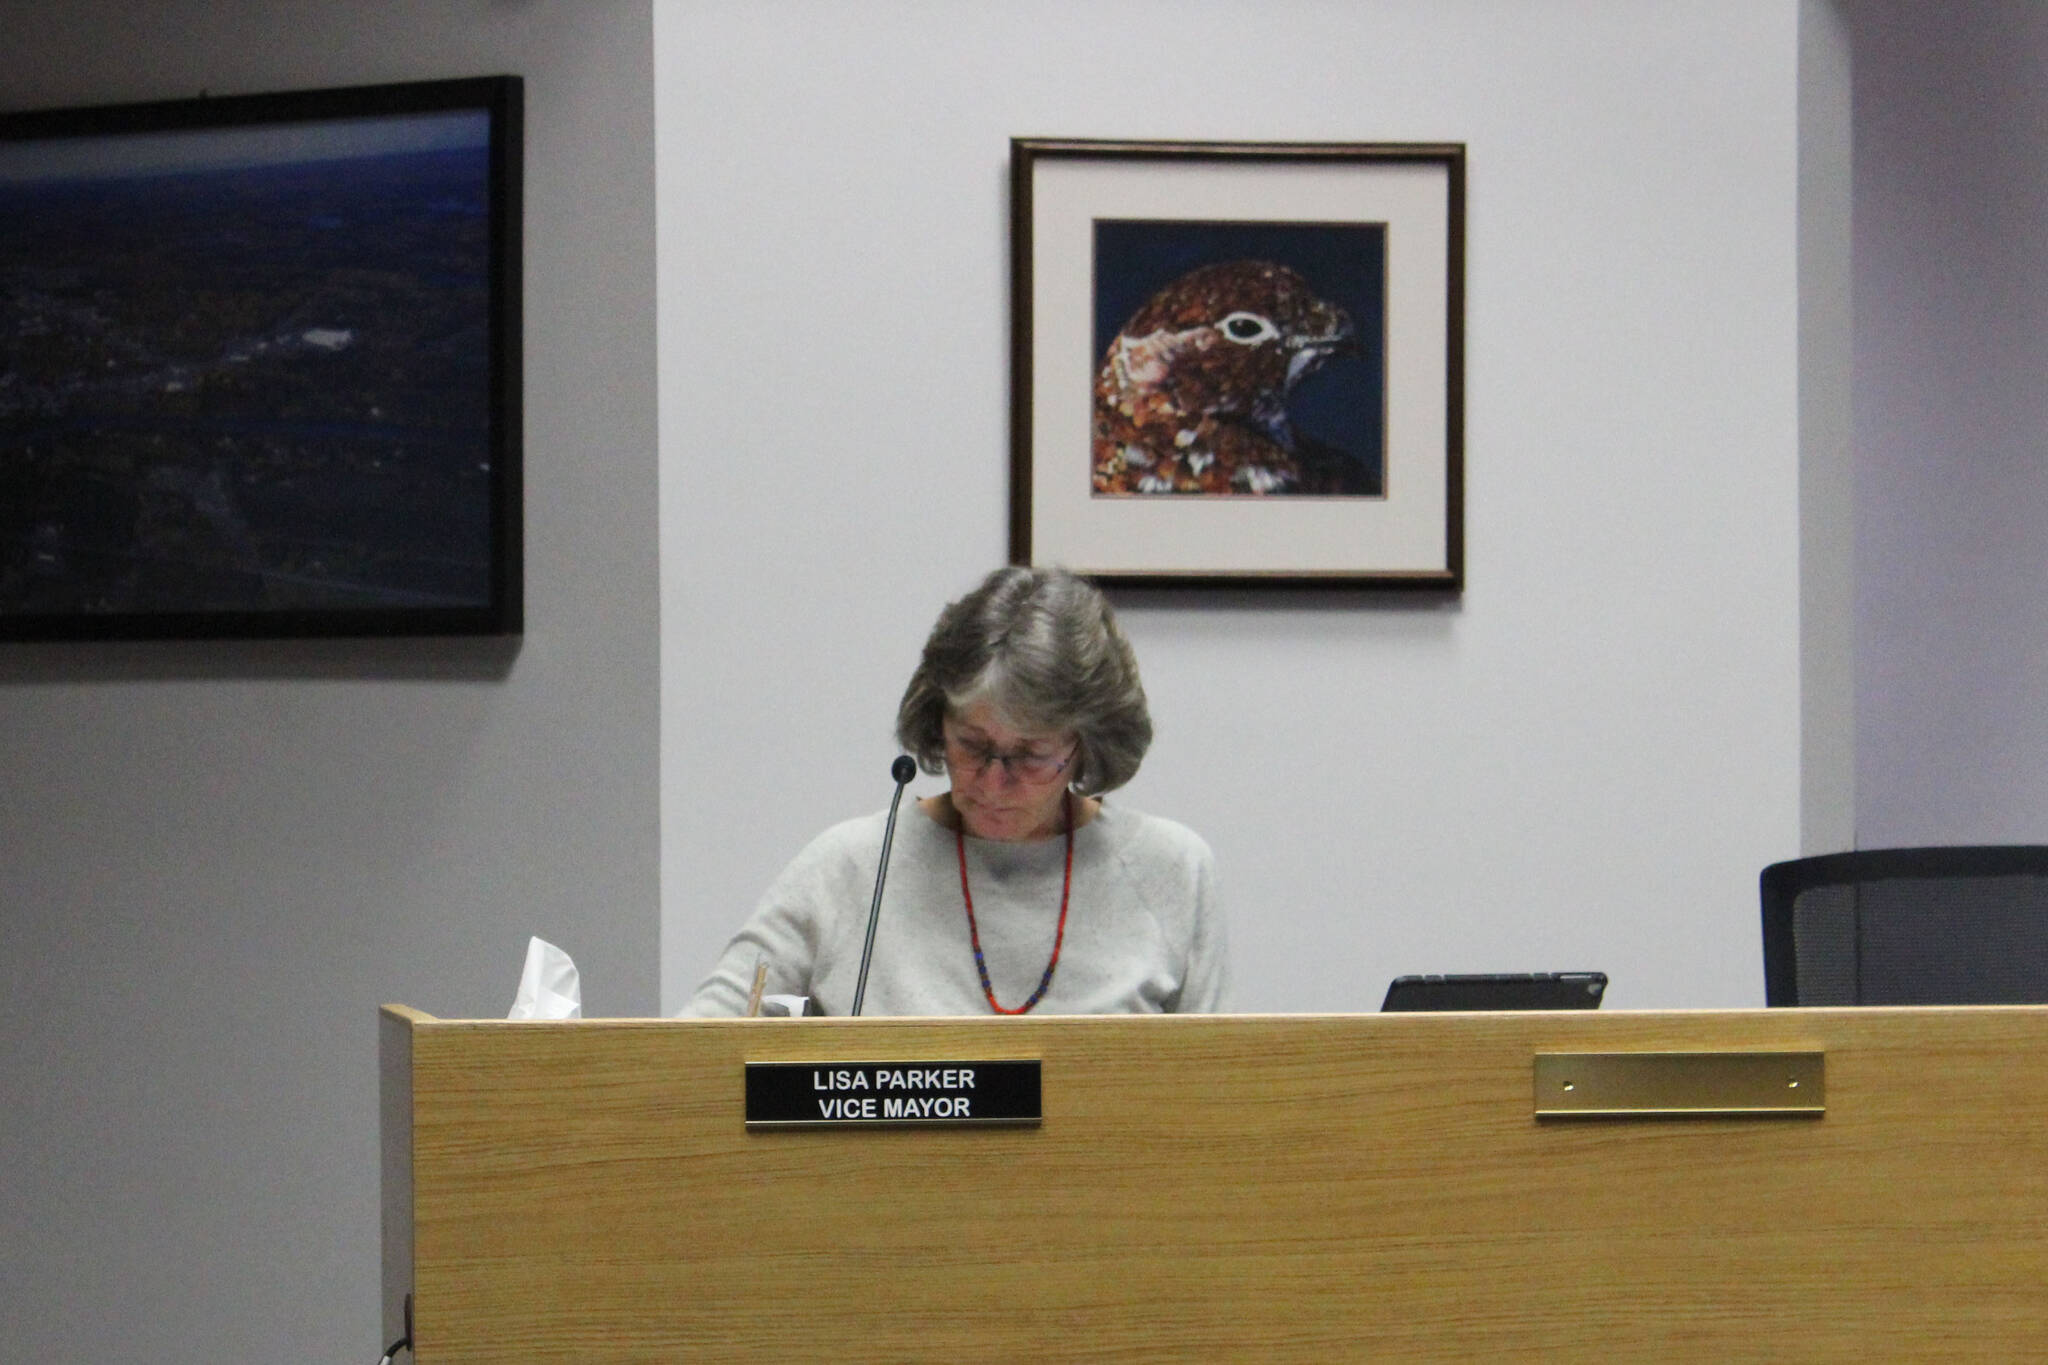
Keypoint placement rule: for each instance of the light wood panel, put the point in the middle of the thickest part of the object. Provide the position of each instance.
(1230, 1188)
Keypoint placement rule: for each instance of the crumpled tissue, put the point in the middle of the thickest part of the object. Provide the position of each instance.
(548, 988)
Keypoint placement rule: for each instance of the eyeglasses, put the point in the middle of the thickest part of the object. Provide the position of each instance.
(972, 758)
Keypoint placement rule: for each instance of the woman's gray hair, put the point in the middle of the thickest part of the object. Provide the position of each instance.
(1043, 648)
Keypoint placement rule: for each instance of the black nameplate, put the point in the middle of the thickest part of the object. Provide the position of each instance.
(838, 1094)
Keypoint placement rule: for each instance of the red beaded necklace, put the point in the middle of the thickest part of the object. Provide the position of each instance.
(974, 931)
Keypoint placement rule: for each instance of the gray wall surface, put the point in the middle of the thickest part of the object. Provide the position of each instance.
(1827, 482)
(1951, 213)
(216, 860)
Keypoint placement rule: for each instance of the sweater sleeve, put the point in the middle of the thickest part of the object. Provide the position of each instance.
(785, 931)
(1202, 986)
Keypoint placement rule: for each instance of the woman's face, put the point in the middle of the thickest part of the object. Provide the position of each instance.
(1007, 783)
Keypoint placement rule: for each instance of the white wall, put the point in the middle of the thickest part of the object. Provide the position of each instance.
(217, 860)
(1951, 421)
(1582, 762)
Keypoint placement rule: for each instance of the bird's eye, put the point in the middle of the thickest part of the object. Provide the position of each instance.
(1248, 329)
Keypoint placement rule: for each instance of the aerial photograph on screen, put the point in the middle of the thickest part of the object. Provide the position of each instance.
(247, 369)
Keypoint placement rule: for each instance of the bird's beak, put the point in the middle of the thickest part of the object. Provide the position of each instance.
(1331, 341)
(1308, 350)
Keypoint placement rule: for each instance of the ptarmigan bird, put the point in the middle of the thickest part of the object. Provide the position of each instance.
(1192, 393)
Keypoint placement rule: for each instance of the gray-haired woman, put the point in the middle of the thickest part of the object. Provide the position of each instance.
(1019, 887)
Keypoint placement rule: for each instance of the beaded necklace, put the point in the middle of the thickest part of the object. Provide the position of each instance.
(974, 931)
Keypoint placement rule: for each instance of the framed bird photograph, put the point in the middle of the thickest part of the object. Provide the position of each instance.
(1238, 364)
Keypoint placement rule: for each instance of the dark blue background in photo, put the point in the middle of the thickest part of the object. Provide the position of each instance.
(249, 389)
(1342, 404)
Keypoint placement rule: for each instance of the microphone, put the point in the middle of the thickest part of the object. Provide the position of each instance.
(903, 769)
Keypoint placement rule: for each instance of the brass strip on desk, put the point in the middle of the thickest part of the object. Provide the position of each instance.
(1589, 1085)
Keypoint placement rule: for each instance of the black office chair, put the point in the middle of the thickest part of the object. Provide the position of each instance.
(1908, 926)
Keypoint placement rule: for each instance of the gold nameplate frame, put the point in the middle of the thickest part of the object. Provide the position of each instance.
(1592, 1085)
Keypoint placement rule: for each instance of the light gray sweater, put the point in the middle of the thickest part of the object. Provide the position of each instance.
(1143, 931)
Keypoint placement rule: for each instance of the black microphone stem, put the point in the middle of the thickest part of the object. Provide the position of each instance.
(902, 770)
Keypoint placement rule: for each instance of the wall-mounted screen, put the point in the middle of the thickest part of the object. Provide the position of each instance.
(260, 365)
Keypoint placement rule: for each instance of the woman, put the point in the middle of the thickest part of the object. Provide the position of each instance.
(1019, 888)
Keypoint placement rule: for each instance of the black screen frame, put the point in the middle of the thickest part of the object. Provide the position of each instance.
(501, 612)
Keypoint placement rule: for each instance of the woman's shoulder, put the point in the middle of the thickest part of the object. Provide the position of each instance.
(848, 840)
(1152, 837)
(854, 830)
(860, 838)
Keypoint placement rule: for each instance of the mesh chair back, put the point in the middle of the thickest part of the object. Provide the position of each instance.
(1908, 926)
